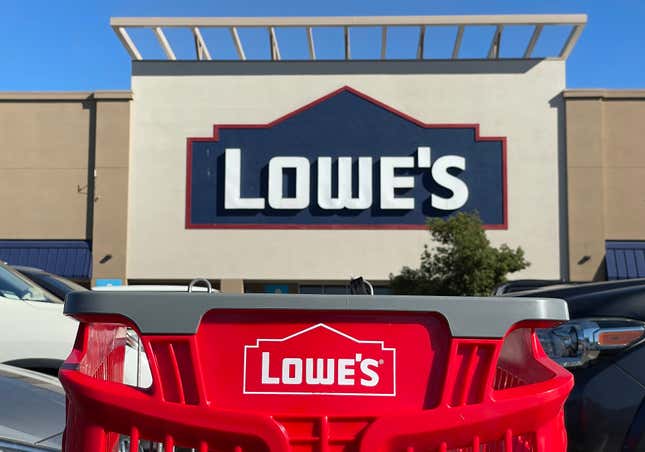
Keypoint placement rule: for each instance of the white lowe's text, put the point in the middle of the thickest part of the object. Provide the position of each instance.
(345, 199)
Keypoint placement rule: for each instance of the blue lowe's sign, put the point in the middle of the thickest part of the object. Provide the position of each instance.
(344, 161)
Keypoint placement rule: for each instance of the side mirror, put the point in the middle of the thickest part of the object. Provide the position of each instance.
(581, 341)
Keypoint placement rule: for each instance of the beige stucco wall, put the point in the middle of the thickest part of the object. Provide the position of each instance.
(168, 108)
(606, 170)
(44, 145)
(51, 147)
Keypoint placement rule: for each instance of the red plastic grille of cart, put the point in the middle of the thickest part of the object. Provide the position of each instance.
(296, 373)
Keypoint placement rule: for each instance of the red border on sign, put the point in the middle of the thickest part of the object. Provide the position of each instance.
(215, 137)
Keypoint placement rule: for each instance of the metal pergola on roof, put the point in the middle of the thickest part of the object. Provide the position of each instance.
(309, 24)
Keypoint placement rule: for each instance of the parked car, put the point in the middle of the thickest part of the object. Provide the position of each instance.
(35, 333)
(603, 345)
(151, 288)
(33, 414)
(136, 367)
(520, 285)
(196, 285)
(55, 284)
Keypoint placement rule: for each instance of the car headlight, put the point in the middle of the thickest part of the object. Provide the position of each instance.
(7, 445)
(578, 342)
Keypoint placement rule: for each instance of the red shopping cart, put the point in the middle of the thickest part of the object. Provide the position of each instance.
(313, 373)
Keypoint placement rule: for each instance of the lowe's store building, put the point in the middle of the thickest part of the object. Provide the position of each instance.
(279, 172)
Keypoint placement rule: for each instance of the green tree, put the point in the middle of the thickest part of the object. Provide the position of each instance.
(462, 263)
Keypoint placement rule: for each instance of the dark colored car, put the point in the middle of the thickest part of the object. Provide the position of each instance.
(33, 415)
(603, 345)
(520, 285)
(55, 284)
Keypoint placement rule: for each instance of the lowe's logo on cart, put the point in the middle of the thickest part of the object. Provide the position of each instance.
(319, 360)
(344, 161)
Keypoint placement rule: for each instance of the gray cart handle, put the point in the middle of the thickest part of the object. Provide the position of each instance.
(181, 313)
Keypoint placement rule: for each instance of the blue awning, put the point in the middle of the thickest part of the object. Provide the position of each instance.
(68, 258)
(625, 260)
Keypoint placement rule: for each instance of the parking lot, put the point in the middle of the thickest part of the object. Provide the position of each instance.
(326, 233)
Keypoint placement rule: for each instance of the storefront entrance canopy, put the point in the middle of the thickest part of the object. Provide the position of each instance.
(625, 260)
(68, 258)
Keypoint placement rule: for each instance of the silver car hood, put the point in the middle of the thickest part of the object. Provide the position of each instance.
(33, 407)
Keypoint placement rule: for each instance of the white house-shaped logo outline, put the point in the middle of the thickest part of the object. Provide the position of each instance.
(259, 341)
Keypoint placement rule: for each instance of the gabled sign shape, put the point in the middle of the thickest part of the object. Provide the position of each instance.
(348, 161)
(319, 360)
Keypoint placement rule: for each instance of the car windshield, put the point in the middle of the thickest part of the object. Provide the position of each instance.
(15, 287)
(58, 286)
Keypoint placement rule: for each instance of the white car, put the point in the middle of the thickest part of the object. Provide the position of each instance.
(136, 368)
(154, 288)
(35, 333)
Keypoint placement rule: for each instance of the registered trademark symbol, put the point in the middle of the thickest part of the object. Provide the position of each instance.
(380, 361)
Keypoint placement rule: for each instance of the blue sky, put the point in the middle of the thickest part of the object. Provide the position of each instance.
(68, 45)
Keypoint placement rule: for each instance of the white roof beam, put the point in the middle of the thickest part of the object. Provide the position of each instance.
(383, 42)
(275, 49)
(348, 50)
(422, 38)
(201, 50)
(238, 43)
(127, 42)
(537, 31)
(458, 38)
(493, 51)
(350, 21)
(310, 39)
(165, 45)
(571, 41)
